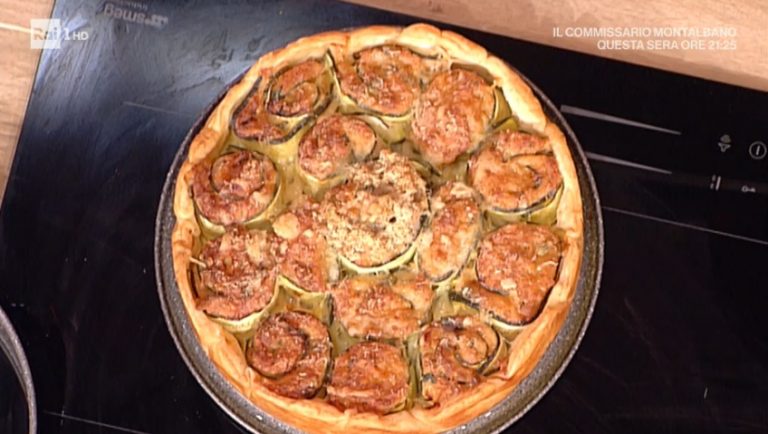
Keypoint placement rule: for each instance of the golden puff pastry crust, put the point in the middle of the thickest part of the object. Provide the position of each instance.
(525, 350)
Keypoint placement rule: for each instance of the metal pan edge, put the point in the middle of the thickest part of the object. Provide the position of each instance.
(11, 346)
(529, 392)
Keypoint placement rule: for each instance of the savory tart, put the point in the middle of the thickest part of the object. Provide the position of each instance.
(377, 230)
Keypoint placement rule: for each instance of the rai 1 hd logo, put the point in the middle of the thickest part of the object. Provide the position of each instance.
(46, 34)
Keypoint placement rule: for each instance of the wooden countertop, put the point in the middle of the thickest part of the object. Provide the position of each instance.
(19, 63)
(737, 55)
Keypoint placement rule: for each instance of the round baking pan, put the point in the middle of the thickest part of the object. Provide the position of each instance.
(18, 409)
(509, 410)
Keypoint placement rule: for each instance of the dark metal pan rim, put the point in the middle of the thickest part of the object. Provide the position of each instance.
(522, 398)
(10, 345)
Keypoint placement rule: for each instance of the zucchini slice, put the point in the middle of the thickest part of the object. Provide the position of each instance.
(497, 309)
(282, 150)
(391, 264)
(516, 268)
(304, 260)
(518, 177)
(450, 302)
(297, 298)
(241, 325)
(381, 84)
(390, 307)
(383, 80)
(451, 233)
(302, 89)
(389, 130)
(328, 148)
(374, 218)
(452, 116)
(239, 188)
(502, 113)
(275, 115)
(237, 297)
(292, 353)
(508, 124)
(454, 354)
(372, 377)
(543, 213)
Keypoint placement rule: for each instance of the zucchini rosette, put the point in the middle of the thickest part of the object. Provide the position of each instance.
(328, 148)
(374, 307)
(452, 232)
(452, 116)
(455, 353)
(278, 110)
(237, 275)
(237, 188)
(518, 177)
(382, 83)
(372, 377)
(373, 219)
(516, 267)
(291, 351)
(305, 262)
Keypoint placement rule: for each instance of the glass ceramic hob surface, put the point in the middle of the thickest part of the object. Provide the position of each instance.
(679, 338)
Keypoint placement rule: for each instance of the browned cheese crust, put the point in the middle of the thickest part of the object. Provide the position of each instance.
(302, 252)
(235, 187)
(332, 143)
(297, 90)
(452, 115)
(515, 171)
(377, 214)
(370, 307)
(454, 352)
(442, 132)
(451, 233)
(292, 351)
(384, 79)
(369, 376)
(239, 274)
(516, 267)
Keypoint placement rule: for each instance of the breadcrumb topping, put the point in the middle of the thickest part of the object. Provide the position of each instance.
(377, 214)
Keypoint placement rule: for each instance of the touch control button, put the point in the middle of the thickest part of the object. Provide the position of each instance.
(724, 143)
(758, 150)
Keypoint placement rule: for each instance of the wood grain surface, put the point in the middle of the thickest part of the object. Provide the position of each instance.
(18, 63)
(743, 62)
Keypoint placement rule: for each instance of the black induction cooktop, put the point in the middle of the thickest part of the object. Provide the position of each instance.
(679, 339)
